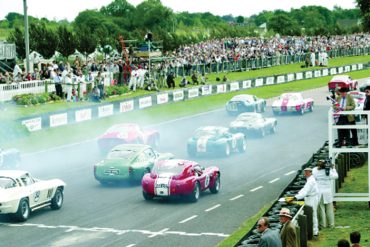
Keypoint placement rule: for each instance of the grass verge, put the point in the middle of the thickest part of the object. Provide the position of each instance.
(90, 129)
(349, 216)
(15, 111)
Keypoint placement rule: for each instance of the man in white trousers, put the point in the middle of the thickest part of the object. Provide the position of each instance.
(310, 194)
(325, 174)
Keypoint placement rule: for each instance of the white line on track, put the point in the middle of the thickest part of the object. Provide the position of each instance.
(131, 245)
(118, 232)
(161, 232)
(257, 188)
(190, 218)
(214, 207)
(291, 172)
(274, 180)
(236, 197)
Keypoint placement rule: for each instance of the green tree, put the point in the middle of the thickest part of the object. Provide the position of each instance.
(240, 19)
(364, 6)
(86, 41)
(66, 41)
(283, 24)
(152, 15)
(17, 37)
(42, 39)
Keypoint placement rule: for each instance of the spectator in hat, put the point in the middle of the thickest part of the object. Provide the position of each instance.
(324, 179)
(269, 237)
(288, 233)
(310, 194)
(346, 103)
(355, 238)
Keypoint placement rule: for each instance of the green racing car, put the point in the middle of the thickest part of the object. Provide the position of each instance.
(127, 162)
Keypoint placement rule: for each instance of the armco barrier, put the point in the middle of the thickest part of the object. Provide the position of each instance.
(302, 215)
(76, 115)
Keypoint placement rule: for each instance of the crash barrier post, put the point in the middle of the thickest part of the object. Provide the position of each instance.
(302, 222)
(351, 154)
(308, 211)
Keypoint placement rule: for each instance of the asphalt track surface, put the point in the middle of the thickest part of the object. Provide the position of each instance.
(117, 215)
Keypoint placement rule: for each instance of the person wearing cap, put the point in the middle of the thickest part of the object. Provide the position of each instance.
(310, 194)
(324, 178)
(269, 237)
(288, 233)
(346, 103)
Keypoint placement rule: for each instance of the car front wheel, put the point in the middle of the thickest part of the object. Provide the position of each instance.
(57, 201)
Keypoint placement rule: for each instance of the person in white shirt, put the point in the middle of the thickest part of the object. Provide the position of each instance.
(310, 194)
(325, 174)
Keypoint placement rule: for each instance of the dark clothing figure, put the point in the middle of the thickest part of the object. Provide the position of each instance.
(170, 81)
(183, 82)
(346, 103)
(194, 78)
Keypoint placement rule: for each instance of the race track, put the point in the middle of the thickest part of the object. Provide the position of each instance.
(94, 215)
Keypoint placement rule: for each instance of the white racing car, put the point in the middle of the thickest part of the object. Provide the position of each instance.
(20, 193)
(292, 102)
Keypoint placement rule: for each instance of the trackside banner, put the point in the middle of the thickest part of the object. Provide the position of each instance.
(98, 111)
(83, 115)
(126, 106)
(58, 119)
(32, 124)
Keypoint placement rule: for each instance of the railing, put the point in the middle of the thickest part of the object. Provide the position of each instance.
(334, 152)
(258, 63)
(7, 91)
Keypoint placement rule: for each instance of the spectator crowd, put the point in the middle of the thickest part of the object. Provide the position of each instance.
(134, 72)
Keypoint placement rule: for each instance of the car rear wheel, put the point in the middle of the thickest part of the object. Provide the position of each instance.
(23, 211)
(263, 132)
(311, 108)
(155, 141)
(194, 196)
(242, 146)
(147, 196)
(273, 129)
(263, 108)
(216, 186)
(57, 201)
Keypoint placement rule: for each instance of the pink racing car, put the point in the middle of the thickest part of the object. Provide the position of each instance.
(292, 102)
(171, 178)
(127, 134)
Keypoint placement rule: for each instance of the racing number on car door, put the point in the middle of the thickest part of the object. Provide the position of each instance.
(206, 182)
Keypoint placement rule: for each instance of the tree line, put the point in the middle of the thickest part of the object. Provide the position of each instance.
(93, 28)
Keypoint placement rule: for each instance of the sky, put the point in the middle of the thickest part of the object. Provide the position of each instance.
(69, 9)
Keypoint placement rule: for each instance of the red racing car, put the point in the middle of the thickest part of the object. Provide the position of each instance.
(127, 133)
(343, 81)
(170, 178)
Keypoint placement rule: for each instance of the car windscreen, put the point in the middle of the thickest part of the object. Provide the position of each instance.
(248, 117)
(6, 183)
(120, 154)
(203, 132)
(163, 167)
